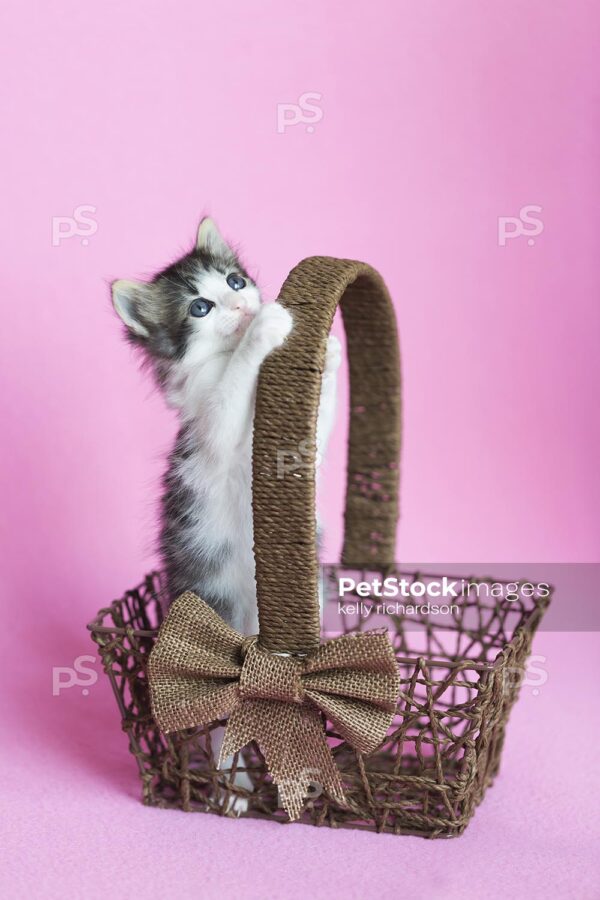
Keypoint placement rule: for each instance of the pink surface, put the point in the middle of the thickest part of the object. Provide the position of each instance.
(434, 120)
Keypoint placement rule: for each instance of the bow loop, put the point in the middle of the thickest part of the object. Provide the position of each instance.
(201, 670)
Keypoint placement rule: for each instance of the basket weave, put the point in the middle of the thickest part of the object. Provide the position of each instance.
(458, 677)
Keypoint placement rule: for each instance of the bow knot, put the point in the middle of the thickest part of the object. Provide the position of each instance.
(201, 670)
(268, 676)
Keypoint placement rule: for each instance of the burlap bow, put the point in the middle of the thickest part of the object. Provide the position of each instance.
(201, 670)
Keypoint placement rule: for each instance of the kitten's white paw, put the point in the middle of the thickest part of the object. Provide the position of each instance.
(333, 354)
(236, 806)
(272, 325)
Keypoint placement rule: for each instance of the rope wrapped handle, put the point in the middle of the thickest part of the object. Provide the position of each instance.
(287, 404)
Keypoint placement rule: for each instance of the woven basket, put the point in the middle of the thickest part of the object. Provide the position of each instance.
(458, 676)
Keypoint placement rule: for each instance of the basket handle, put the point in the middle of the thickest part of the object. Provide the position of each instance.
(287, 402)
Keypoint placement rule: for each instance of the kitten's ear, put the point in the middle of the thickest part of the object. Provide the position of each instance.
(210, 239)
(127, 297)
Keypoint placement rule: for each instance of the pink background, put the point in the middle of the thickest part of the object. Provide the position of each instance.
(437, 118)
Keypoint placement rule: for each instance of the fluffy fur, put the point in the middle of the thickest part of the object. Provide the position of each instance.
(208, 367)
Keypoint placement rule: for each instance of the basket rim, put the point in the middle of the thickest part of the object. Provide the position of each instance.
(529, 624)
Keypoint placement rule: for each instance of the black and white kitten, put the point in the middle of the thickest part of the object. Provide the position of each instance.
(202, 327)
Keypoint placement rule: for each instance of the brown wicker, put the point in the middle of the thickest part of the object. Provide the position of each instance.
(458, 676)
(286, 413)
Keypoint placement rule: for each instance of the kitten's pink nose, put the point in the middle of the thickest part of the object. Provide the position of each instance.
(236, 303)
(241, 306)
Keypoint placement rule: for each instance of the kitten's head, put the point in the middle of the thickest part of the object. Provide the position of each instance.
(196, 308)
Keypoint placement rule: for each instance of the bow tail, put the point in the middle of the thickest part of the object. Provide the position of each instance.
(293, 743)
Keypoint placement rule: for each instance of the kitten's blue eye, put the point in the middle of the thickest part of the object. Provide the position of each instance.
(236, 282)
(201, 308)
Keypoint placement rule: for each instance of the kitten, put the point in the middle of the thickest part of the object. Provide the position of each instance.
(205, 333)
